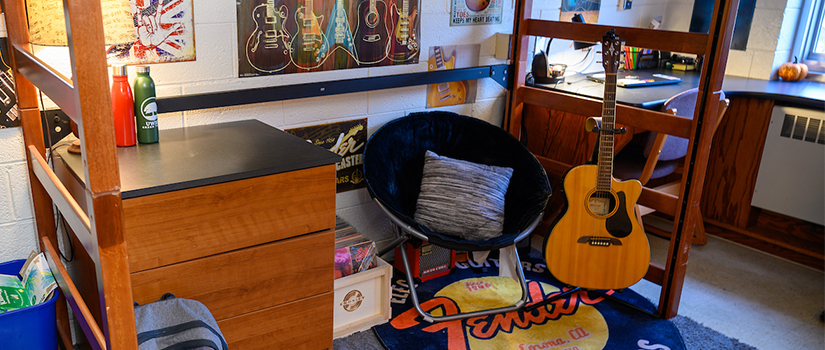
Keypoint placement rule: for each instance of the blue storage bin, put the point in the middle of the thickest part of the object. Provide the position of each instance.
(31, 328)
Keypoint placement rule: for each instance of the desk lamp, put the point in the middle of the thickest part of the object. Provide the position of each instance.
(48, 27)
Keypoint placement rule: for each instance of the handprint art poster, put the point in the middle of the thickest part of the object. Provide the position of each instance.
(165, 33)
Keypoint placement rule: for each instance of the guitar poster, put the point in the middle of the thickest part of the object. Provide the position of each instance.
(454, 92)
(347, 139)
(469, 12)
(165, 33)
(9, 115)
(295, 36)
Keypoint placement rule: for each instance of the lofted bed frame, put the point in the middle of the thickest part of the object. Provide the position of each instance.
(84, 98)
(713, 46)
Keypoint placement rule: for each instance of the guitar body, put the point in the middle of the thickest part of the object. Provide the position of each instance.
(455, 94)
(597, 248)
(477, 5)
(372, 34)
(306, 44)
(405, 41)
(338, 36)
(445, 94)
(267, 47)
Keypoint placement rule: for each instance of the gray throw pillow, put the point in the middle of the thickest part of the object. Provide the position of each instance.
(462, 199)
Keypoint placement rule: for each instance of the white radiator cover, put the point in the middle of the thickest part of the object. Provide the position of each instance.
(791, 179)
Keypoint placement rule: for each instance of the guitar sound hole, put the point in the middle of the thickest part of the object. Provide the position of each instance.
(372, 19)
(601, 203)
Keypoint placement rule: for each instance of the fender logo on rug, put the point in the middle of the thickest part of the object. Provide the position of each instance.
(543, 328)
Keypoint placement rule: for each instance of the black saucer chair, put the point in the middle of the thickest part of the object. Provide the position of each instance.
(394, 162)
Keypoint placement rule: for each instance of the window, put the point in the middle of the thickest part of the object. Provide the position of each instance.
(813, 42)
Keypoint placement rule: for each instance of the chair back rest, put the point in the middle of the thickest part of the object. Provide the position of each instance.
(394, 162)
(684, 104)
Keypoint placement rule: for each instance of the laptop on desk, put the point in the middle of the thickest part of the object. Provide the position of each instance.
(632, 79)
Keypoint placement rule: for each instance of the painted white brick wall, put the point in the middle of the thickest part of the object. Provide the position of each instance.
(216, 70)
(17, 235)
(770, 40)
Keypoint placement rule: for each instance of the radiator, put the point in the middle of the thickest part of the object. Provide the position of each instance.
(791, 179)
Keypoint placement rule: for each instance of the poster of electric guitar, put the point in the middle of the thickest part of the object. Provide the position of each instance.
(454, 92)
(338, 42)
(267, 46)
(404, 15)
(9, 115)
(293, 36)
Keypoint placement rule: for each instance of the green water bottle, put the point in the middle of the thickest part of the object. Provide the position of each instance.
(146, 109)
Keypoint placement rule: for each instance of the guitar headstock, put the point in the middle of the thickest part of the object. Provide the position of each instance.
(611, 52)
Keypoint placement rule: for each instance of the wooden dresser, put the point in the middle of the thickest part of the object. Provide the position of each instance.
(239, 216)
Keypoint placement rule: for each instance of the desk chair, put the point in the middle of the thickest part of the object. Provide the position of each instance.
(661, 156)
(394, 161)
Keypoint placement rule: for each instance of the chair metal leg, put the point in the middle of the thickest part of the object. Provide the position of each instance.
(511, 257)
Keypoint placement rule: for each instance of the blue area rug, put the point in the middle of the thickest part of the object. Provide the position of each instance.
(578, 322)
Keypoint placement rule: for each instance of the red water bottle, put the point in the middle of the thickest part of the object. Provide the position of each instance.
(123, 107)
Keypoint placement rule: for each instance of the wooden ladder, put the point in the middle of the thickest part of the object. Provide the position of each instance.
(107, 319)
(713, 46)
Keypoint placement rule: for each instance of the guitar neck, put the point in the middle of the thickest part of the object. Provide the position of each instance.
(605, 162)
(439, 59)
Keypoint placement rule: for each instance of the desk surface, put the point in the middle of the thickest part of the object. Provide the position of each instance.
(799, 94)
(206, 155)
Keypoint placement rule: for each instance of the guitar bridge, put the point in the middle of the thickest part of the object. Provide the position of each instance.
(599, 241)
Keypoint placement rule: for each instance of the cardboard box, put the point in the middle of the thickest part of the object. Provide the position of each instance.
(362, 300)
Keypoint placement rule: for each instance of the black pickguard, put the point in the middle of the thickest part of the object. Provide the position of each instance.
(619, 225)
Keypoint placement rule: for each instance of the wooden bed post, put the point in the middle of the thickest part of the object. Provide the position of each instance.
(710, 87)
(86, 100)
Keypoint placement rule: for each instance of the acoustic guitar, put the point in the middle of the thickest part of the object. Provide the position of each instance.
(338, 36)
(444, 94)
(372, 34)
(597, 242)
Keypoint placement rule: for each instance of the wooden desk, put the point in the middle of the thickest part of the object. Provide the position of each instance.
(561, 136)
(239, 216)
(649, 97)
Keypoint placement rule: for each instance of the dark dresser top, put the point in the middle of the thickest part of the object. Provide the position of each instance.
(209, 154)
(803, 94)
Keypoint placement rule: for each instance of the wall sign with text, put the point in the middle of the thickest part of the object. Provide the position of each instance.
(469, 12)
(347, 139)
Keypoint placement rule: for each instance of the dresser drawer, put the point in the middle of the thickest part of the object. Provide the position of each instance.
(246, 280)
(177, 226)
(302, 324)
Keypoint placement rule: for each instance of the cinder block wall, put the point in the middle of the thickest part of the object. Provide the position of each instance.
(216, 69)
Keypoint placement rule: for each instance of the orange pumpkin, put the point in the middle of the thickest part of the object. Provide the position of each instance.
(793, 71)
